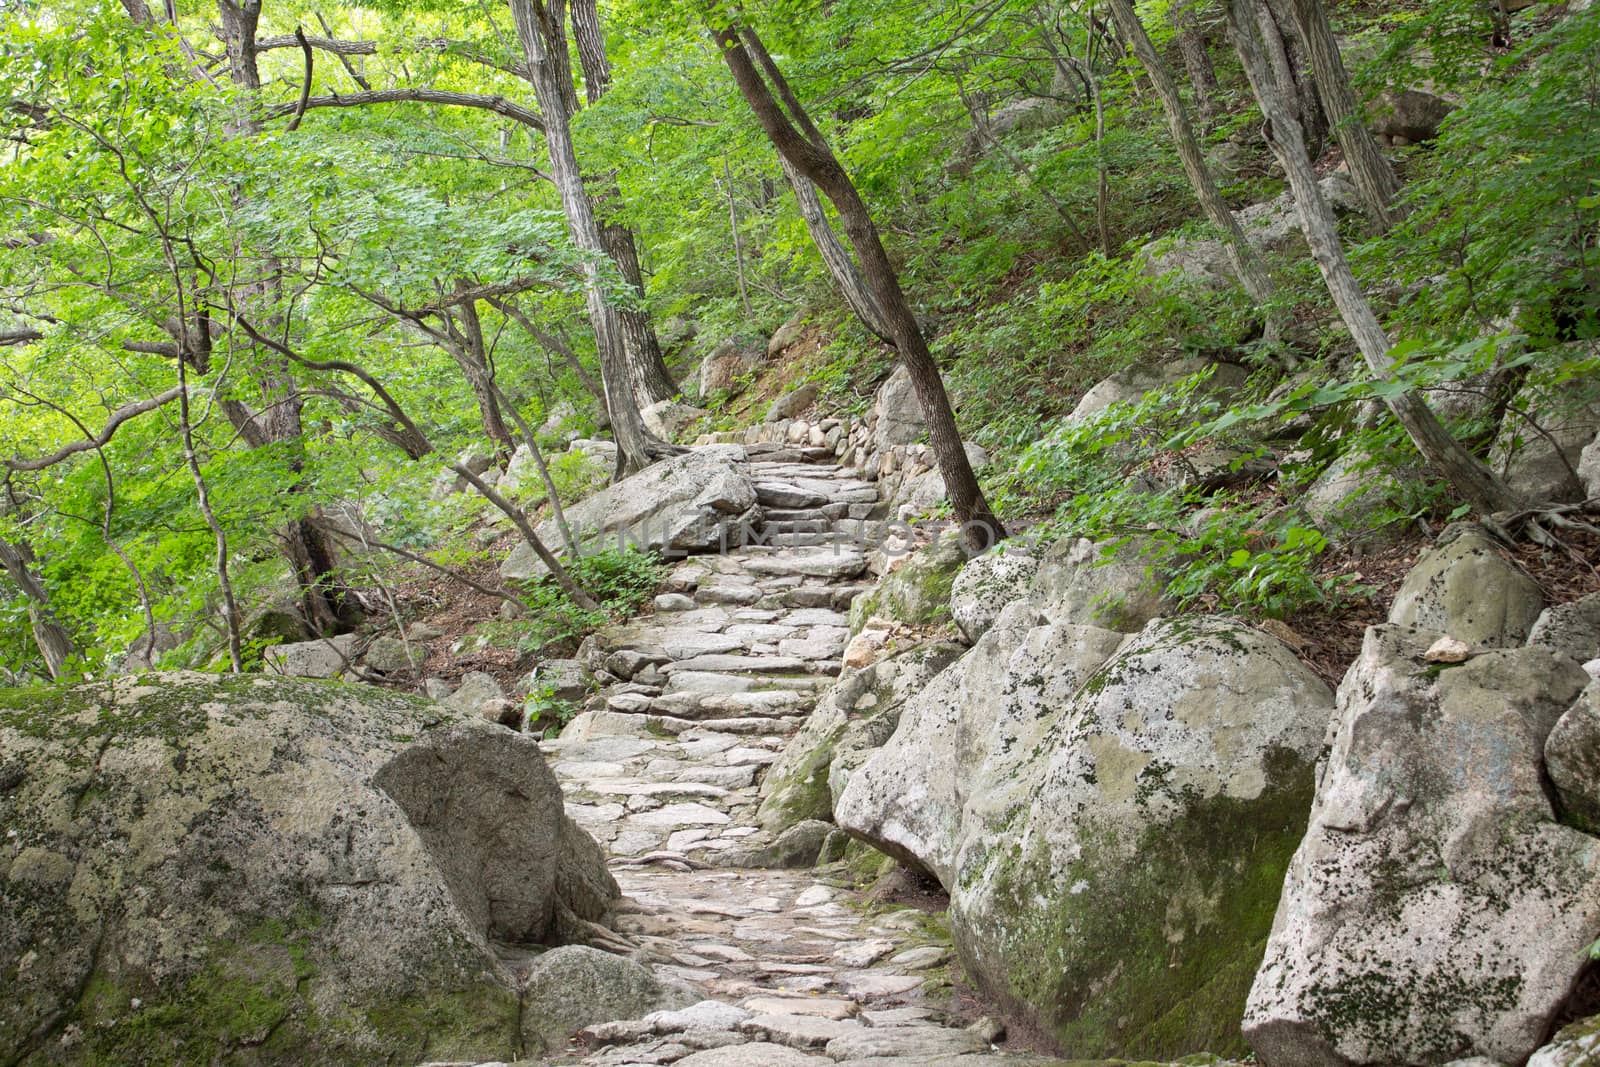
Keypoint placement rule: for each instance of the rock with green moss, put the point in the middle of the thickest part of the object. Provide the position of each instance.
(1088, 584)
(200, 869)
(1436, 908)
(1577, 1045)
(986, 585)
(1572, 758)
(1111, 815)
(1466, 587)
(856, 715)
(577, 986)
(917, 592)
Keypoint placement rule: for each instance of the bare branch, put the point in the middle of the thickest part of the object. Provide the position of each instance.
(305, 86)
(100, 440)
(497, 104)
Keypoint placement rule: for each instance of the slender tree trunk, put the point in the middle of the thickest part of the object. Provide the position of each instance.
(738, 238)
(574, 592)
(557, 512)
(1247, 264)
(541, 29)
(1288, 70)
(652, 382)
(1374, 177)
(54, 643)
(306, 545)
(1196, 60)
(1470, 478)
(841, 267)
(472, 354)
(808, 153)
(556, 343)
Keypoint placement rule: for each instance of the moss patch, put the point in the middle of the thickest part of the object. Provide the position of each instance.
(1152, 951)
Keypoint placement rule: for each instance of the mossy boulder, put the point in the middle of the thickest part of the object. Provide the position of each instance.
(856, 715)
(917, 591)
(1111, 816)
(1436, 908)
(1465, 586)
(201, 869)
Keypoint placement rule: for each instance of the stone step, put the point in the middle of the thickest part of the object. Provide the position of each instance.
(693, 681)
(773, 704)
(788, 495)
(728, 662)
(814, 564)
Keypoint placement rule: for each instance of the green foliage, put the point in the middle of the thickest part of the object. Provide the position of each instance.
(619, 579)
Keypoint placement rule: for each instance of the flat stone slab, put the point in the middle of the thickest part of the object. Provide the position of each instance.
(817, 1007)
(911, 1042)
(811, 565)
(675, 816)
(799, 1031)
(754, 1054)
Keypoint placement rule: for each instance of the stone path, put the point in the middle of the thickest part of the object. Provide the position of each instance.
(664, 769)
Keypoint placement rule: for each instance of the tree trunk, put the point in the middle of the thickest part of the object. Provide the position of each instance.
(1247, 264)
(308, 548)
(53, 641)
(841, 267)
(1288, 69)
(808, 153)
(540, 27)
(652, 382)
(1374, 177)
(1196, 60)
(472, 354)
(1474, 481)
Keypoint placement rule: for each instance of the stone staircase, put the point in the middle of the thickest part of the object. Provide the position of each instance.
(664, 768)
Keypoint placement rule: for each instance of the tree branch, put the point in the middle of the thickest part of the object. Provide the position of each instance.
(497, 104)
(100, 440)
(305, 86)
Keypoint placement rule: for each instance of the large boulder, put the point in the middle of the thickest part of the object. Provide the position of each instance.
(852, 719)
(322, 658)
(986, 585)
(1544, 460)
(1111, 816)
(1408, 116)
(722, 371)
(917, 592)
(1436, 909)
(1132, 384)
(899, 413)
(1272, 226)
(667, 419)
(687, 503)
(1572, 759)
(1105, 584)
(1573, 628)
(1465, 587)
(201, 869)
(576, 986)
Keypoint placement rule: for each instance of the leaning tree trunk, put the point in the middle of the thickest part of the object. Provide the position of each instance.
(1374, 177)
(652, 382)
(1192, 46)
(472, 355)
(1247, 264)
(841, 268)
(1474, 481)
(51, 638)
(540, 28)
(809, 154)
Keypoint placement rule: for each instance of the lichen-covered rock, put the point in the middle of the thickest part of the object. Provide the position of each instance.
(1435, 909)
(1545, 463)
(669, 418)
(1087, 584)
(1572, 628)
(985, 586)
(1464, 587)
(898, 412)
(854, 717)
(1408, 116)
(1572, 758)
(1349, 494)
(1133, 383)
(917, 592)
(723, 370)
(1577, 1045)
(685, 503)
(793, 404)
(322, 658)
(1111, 816)
(201, 869)
(573, 987)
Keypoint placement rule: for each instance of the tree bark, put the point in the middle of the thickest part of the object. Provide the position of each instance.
(54, 643)
(1474, 481)
(841, 268)
(1196, 60)
(473, 357)
(808, 153)
(652, 382)
(1246, 263)
(541, 29)
(1374, 177)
